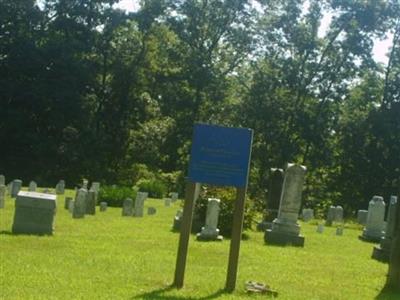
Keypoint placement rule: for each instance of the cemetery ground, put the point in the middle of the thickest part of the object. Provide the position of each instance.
(108, 256)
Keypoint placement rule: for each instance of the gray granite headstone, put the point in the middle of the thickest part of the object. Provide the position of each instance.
(16, 187)
(139, 203)
(91, 202)
(331, 216)
(308, 214)
(177, 220)
(320, 228)
(32, 186)
(2, 180)
(339, 214)
(362, 216)
(85, 184)
(374, 229)
(151, 210)
(167, 202)
(60, 187)
(103, 206)
(80, 204)
(127, 208)
(174, 197)
(210, 232)
(95, 187)
(71, 206)
(339, 231)
(2, 195)
(66, 202)
(285, 228)
(34, 213)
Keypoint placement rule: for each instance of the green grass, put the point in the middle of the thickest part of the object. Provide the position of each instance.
(107, 256)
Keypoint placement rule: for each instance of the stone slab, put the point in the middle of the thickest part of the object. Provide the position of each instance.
(282, 239)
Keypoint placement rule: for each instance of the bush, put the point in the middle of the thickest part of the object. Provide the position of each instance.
(227, 204)
(155, 187)
(115, 195)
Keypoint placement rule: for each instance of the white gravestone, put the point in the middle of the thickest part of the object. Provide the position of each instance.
(32, 186)
(127, 208)
(60, 187)
(80, 204)
(210, 232)
(16, 187)
(139, 203)
(34, 213)
(2, 195)
(375, 226)
(285, 228)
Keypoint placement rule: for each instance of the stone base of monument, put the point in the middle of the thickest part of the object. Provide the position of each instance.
(209, 235)
(380, 254)
(264, 225)
(369, 236)
(177, 224)
(283, 239)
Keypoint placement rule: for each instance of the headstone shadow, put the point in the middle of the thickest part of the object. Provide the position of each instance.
(388, 294)
(160, 294)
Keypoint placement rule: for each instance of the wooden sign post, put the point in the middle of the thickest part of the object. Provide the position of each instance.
(219, 156)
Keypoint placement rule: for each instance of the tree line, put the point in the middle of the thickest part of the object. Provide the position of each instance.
(87, 90)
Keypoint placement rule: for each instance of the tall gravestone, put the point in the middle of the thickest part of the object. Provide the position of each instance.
(375, 226)
(127, 208)
(2, 195)
(34, 213)
(2, 180)
(139, 203)
(91, 203)
(210, 232)
(80, 204)
(60, 187)
(32, 186)
(273, 198)
(382, 252)
(285, 228)
(16, 187)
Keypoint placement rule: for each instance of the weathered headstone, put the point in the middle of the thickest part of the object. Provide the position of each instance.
(151, 210)
(32, 186)
(139, 203)
(34, 213)
(308, 214)
(80, 204)
(273, 198)
(2, 195)
(66, 202)
(127, 208)
(103, 206)
(210, 232)
(177, 220)
(339, 231)
(15, 187)
(2, 180)
(60, 187)
(95, 187)
(174, 197)
(339, 214)
(331, 216)
(85, 184)
(362, 216)
(285, 228)
(375, 226)
(71, 205)
(320, 228)
(167, 202)
(91, 203)
(382, 252)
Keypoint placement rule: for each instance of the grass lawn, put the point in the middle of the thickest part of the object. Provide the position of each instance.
(107, 256)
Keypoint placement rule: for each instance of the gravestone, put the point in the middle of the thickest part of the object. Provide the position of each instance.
(80, 204)
(34, 213)
(32, 186)
(320, 228)
(273, 198)
(174, 197)
(151, 210)
(177, 220)
(362, 216)
(2, 180)
(382, 252)
(103, 206)
(15, 187)
(167, 202)
(308, 214)
(91, 203)
(60, 187)
(85, 184)
(139, 203)
(66, 202)
(95, 187)
(331, 216)
(339, 231)
(210, 232)
(339, 214)
(2, 195)
(9, 188)
(71, 205)
(375, 226)
(127, 208)
(285, 228)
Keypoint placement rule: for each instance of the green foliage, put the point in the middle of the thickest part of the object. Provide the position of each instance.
(115, 195)
(155, 187)
(227, 205)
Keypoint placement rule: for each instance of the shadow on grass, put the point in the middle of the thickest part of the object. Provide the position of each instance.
(8, 232)
(160, 294)
(388, 294)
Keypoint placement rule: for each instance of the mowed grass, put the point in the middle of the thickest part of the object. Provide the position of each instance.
(108, 256)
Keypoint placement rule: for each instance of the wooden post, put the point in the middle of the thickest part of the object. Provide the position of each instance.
(237, 228)
(191, 194)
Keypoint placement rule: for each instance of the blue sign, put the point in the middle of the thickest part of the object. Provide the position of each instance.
(220, 155)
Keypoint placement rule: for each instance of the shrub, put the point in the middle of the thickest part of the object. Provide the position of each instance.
(227, 204)
(155, 187)
(115, 195)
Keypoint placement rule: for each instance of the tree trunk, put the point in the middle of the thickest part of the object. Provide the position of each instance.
(393, 279)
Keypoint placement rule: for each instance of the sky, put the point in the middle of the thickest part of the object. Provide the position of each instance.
(379, 51)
